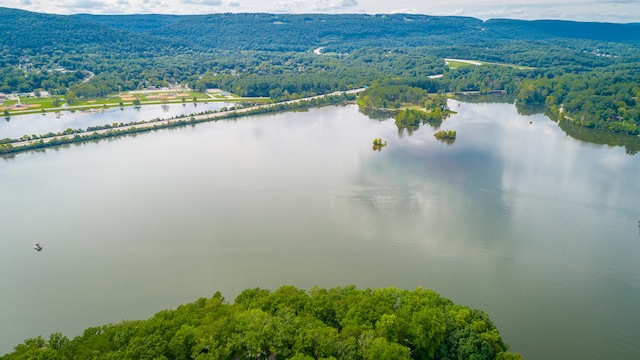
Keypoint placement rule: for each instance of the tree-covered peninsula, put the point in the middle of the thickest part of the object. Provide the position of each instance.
(289, 323)
(410, 106)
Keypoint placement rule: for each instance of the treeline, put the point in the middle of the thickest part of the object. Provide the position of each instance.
(605, 99)
(284, 76)
(281, 76)
(392, 96)
(15, 79)
(339, 323)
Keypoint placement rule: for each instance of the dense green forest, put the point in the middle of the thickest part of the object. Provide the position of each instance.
(585, 70)
(339, 323)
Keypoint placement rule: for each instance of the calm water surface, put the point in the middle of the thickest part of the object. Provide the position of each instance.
(39, 124)
(536, 228)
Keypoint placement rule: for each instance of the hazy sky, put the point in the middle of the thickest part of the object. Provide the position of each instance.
(594, 10)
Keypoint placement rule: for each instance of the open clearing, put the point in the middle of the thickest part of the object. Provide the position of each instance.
(455, 63)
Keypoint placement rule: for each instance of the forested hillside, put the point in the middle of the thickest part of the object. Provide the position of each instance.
(554, 29)
(287, 32)
(26, 33)
(340, 323)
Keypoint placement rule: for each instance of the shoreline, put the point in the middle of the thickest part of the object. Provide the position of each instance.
(129, 104)
(16, 146)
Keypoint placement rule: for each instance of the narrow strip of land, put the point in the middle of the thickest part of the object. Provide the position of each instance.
(197, 118)
(472, 62)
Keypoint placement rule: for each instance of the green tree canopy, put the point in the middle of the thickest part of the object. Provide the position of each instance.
(289, 323)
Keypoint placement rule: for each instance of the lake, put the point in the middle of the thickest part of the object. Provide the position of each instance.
(534, 227)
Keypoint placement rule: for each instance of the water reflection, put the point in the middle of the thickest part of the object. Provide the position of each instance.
(629, 142)
(376, 114)
(487, 98)
(449, 142)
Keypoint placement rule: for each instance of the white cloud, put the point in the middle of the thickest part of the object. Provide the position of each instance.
(83, 4)
(287, 6)
(581, 10)
(493, 12)
(203, 2)
(403, 11)
(334, 4)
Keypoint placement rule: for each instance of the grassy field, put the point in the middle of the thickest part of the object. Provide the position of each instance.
(30, 105)
(456, 63)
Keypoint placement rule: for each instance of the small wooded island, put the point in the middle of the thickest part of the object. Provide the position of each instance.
(445, 135)
(338, 323)
(378, 144)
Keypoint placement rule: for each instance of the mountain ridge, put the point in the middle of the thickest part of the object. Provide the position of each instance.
(287, 32)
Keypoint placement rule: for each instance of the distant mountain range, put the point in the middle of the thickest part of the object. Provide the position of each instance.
(283, 32)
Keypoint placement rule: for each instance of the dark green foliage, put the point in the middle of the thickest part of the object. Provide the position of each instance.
(287, 32)
(549, 29)
(391, 96)
(605, 99)
(445, 135)
(631, 143)
(340, 323)
(135, 23)
(412, 118)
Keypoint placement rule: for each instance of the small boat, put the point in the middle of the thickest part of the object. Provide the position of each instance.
(37, 247)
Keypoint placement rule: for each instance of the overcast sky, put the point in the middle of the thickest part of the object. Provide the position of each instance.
(595, 10)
